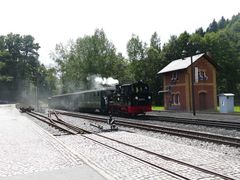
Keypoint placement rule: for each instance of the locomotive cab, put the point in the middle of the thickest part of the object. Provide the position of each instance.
(132, 99)
(140, 94)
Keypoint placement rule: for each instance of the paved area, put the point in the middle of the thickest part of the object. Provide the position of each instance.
(199, 115)
(124, 167)
(29, 152)
(73, 173)
(115, 164)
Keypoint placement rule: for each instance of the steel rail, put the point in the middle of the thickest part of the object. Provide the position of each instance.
(185, 133)
(60, 121)
(149, 152)
(232, 141)
(51, 123)
(135, 157)
(196, 121)
(34, 114)
(168, 158)
(156, 154)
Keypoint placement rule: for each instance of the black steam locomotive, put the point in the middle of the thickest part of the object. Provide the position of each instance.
(131, 99)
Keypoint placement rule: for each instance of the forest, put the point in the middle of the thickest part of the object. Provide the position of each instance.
(80, 61)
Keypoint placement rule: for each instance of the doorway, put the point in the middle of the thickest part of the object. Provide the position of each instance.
(202, 101)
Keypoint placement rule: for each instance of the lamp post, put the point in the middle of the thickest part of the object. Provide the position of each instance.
(192, 83)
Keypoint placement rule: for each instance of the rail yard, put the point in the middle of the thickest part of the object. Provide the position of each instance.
(142, 147)
(128, 90)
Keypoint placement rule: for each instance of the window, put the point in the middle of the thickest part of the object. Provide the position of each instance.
(174, 76)
(202, 75)
(175, 99)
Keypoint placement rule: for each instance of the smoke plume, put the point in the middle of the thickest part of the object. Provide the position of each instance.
(98, 82)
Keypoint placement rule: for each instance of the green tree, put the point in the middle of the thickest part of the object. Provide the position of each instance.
(222, 23)
(135, 49)
(145, 62)
(200, 31)
(213, 27)
(155, 42)
(175, 46)
(20, 68)
(3, 76)
(222, 40)
(88, 56)
(46, 79)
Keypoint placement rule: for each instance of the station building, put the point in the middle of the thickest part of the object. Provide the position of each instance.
(177, 81)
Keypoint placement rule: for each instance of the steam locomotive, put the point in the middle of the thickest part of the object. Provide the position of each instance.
(130, 99)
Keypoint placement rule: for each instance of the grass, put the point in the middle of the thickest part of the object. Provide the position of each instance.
(158, 108)
(161, 108)
(237, 109)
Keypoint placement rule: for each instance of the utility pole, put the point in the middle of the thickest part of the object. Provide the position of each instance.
(192, 75)
(192, 84)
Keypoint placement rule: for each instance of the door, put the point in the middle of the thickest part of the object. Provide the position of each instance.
(202, 101)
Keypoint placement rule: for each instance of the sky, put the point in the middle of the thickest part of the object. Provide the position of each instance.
(52, 22)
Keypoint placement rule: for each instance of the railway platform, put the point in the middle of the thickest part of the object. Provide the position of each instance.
(233, 117)
(30, 153)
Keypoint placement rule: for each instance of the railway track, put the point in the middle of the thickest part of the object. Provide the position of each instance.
(58, 123)
(162, 129)
(195, 121)
(158, 161)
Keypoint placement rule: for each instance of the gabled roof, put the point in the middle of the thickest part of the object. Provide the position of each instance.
(180, 64)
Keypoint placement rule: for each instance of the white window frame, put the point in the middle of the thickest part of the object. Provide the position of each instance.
(174, 76)
(202, 75)
(175, 98)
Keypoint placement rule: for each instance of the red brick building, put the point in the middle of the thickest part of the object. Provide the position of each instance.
(177, 84)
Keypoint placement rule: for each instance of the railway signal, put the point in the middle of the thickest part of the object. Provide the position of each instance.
(111, 122)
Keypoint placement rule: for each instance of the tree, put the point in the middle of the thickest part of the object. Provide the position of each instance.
(200, 31)
(222, 39)
(23, 56)
(213, 27)
(95, 55)
(89, 56)
(182, 42)
(46, 81)
(222, 23)
(155, 42)
(145, 62)
(224, 47)
(20, 68)
(3, 76)
(135, 49)
(175, 46)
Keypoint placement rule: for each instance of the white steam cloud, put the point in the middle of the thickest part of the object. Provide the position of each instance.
(98, 82)
(106, 81)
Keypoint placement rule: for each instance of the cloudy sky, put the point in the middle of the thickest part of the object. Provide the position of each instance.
(54, 21)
